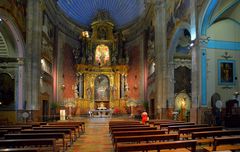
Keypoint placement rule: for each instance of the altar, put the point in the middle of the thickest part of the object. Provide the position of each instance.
(107, 113)
(101, 111)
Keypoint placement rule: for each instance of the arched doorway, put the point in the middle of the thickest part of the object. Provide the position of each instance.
(13, 56)
(101, 91)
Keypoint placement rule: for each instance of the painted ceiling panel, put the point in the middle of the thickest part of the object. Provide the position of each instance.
(122, 12)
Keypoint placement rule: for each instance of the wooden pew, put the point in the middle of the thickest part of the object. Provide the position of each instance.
(176, 128)
(34, 124)
(208, 136)
(20, 150)
(158, 146)
(134, 128)
(145, 138)
(67, 132)
(11, 129)
(122, 123)
(127, 126)
(189, 131)
(2, 132)
(137, 133)
(151, 122)
(226, 143)
(48, 143)
(80, 124)
(56, 136)
(4, 121)
(174, 124)
(17, 126)
(75, 130)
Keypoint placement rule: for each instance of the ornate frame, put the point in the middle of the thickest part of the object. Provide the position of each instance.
(226, 72)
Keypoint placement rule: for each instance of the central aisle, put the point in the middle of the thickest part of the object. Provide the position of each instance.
(96, 137)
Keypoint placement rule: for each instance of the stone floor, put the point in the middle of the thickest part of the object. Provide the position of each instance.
(96, 137)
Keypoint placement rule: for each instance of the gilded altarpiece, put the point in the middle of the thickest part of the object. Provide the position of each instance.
(102, 67)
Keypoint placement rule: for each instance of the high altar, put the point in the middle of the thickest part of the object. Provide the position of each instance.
(101, 67)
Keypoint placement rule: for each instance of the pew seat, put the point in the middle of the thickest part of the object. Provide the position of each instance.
(207, 137)
(145, 138)
(20, 150)
(230, 143)
(45, 144)
(187, 145)
(58, 136)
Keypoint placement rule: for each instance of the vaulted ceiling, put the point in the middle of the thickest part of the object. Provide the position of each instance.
(122, 12)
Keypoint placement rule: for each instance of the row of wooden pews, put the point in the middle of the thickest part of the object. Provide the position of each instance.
(179, 136)
(139, 139)
(40, 136)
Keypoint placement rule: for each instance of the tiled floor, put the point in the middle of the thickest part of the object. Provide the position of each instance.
(96, 137)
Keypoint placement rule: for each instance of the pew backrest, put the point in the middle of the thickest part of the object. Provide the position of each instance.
(199, 129)
(134, 128)
(157, 146)
(11, 143)
(213, 134)
(137, 133)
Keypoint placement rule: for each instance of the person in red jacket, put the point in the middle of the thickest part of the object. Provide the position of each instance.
(144, 117)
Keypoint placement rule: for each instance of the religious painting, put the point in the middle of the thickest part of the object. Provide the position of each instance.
(226, 72)
(102, 55)
(182, 77)
(102, 90)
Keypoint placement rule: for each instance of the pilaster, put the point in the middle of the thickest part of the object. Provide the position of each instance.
(33, 53)
(195, 64)
(161, 56)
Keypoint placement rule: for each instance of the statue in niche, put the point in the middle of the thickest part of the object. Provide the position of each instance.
(90, 58)
(102, 34)
(89, 92)
(114, 60)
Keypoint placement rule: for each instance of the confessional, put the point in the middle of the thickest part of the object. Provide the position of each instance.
(232, 116)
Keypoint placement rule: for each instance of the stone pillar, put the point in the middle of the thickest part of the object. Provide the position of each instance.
(195, 65)
(33, 53)
(171, 81)
(195, 89)
(161, 57)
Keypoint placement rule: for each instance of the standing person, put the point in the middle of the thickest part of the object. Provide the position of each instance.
(144, 117)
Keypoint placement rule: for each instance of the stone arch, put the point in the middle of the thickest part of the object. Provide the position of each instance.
(174, 39)
(20, 47)
(171, 51)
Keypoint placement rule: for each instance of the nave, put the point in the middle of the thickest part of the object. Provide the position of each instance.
(96, 137)
(119, 134)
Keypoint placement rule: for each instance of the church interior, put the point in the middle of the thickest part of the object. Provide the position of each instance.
(65, 60)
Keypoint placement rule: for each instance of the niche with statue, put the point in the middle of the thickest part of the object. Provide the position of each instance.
(182, 106)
